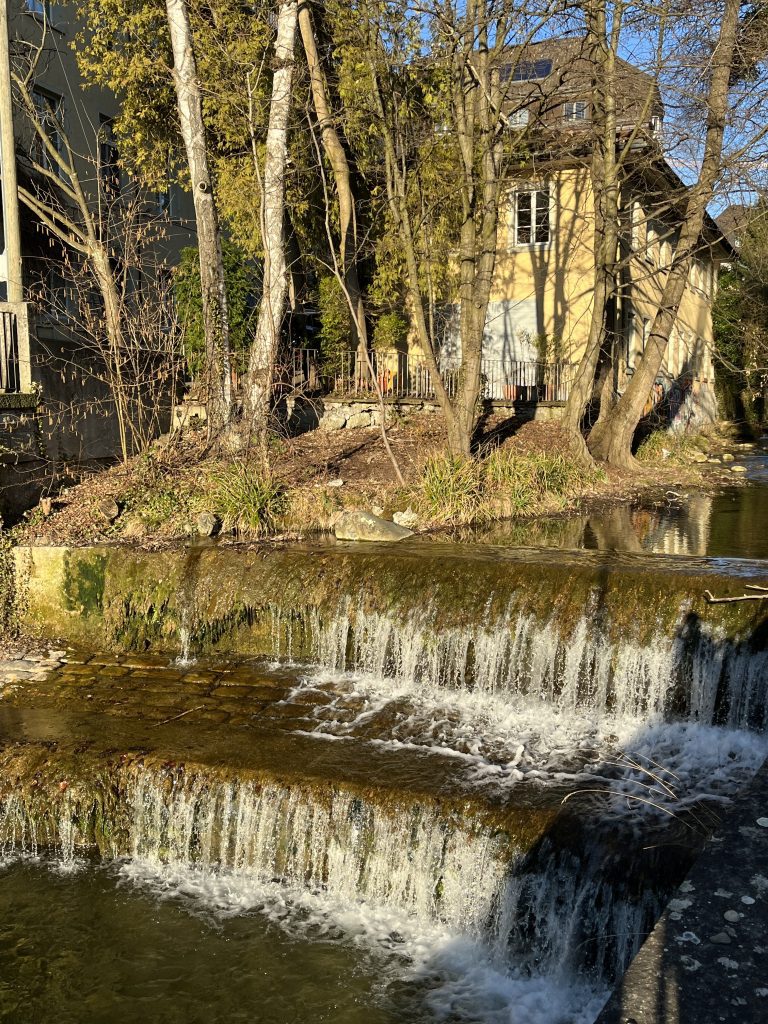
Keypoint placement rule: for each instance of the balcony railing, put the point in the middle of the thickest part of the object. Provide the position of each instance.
(10, 376)
(401, 375)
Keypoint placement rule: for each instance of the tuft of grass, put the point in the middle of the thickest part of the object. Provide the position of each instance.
(661, 446)
(452, 489)
(247, 499)
(505, 483)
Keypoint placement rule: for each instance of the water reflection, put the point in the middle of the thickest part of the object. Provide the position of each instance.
(732, 524)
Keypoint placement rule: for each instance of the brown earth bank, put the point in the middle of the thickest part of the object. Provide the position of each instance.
(183, 487)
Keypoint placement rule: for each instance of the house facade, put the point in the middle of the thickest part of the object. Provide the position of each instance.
(541, 301)
(56, 404)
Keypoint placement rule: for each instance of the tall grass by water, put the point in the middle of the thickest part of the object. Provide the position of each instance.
(504, 483)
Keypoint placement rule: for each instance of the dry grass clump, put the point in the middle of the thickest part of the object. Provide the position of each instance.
(247, 499)
(505, 482)
(661, 446)
(452, 490)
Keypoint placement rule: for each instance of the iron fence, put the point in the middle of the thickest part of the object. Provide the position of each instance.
(299, 370)
(10, 380)
(401, 375)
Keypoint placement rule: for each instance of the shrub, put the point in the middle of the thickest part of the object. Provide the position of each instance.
(390, 331)
(335, 325)
(247, 499)
(242, 287)
(452, 489)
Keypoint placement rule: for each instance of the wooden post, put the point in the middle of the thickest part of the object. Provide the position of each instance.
(11, 228)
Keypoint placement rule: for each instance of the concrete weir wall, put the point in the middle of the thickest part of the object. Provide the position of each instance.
(706, 960)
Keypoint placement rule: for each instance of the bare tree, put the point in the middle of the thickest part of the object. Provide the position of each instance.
(337, 158)
(612, 160)
(214, 294)
(611, 440)
(468, 44)
(100, 237)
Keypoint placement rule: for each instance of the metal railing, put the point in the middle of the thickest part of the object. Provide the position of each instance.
(10, 377)
(299, 370)
(401, 375)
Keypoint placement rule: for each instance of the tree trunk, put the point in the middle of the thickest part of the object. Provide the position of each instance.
(337, 158)
(261, 367)
(105, 278)
(612, 438)
(605, 192)
(214, 295)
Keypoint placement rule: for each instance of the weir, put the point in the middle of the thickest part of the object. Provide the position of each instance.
(622, 633)
(393, 733)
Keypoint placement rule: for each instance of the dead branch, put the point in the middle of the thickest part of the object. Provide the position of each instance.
(710, 599)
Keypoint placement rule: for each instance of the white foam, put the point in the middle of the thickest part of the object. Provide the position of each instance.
(462, 979)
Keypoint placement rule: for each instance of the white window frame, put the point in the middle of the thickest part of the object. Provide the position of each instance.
(540, 193)
(519, 118)
(575, 111)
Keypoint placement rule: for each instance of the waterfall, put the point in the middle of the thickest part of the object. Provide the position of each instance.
(431, 865)
(690, 671)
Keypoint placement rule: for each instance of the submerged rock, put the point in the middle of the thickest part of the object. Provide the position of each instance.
(367, 526)
(738, 469)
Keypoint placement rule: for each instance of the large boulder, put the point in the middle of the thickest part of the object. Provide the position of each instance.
(367, 526)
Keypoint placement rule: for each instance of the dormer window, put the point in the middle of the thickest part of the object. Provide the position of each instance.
(575, 111)
(655, 124)
(526, 71)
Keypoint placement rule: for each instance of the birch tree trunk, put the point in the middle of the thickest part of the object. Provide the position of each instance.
(218, 379)
(261, 367)
(611, 439)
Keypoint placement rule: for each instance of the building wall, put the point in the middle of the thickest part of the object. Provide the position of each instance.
(76, 419)
(542, 293)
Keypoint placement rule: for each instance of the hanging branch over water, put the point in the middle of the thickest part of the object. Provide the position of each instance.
(763, 596)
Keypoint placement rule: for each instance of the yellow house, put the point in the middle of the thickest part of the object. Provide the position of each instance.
(541, 302)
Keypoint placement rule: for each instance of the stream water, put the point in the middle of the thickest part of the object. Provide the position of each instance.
(221, 899)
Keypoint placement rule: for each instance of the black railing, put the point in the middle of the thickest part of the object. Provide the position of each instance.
(10, 380)
(402, 375)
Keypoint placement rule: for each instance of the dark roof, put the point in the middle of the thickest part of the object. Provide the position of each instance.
(552, 71)
(732, 222)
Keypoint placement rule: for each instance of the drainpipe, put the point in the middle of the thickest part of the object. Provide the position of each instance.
(11, 227)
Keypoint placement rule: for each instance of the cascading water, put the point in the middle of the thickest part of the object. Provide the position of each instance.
(561, 680)
(424, 867)
(691, 671)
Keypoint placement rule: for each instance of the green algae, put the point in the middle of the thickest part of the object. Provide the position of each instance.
(227, 599)
(83, 586)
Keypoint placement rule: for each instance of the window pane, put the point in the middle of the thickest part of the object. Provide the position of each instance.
(542, 216)
(524, 217)
(528, 70)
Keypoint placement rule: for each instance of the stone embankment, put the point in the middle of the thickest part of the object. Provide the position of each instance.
(705, 960)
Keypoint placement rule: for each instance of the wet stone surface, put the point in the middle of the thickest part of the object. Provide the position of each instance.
(239, 715)
(706, 958)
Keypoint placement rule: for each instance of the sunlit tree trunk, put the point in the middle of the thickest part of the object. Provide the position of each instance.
(263, 358)
(215, 313)
(611, 440)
